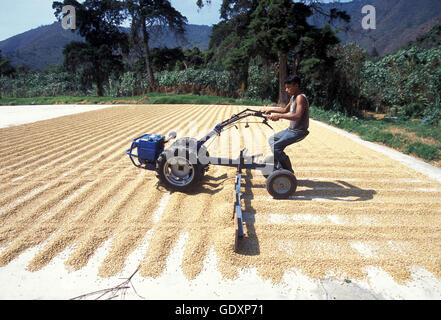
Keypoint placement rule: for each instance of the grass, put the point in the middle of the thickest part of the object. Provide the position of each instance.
(151, 98)
(410, 137)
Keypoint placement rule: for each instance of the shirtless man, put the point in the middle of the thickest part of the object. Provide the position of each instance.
(297, 112)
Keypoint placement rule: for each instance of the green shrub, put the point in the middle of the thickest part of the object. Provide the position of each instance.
(259, 88)
(409, 79)
(50, 83)
(393, 111)
(414, 109)
(205, 78)
(375, 135)
(432, 115)
(423, 151)
(337, 119)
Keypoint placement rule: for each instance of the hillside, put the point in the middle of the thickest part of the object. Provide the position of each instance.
(43, 46)
(398, 22)
(38, 48)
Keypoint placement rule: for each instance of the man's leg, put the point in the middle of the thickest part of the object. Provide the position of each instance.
(284, 139)
(276, 138)
(272, 141)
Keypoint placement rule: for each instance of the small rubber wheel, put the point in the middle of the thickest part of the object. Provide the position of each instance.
(281, 184)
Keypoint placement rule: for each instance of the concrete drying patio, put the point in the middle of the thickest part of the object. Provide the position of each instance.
(76, 216)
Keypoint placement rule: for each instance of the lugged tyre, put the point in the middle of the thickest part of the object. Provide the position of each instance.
(281, 184)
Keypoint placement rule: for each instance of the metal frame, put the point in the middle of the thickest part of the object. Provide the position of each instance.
(238, 195)
(235, 118)
(131, 155)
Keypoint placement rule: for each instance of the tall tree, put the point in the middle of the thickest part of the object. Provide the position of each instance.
(315, 62)
(100, 55)
(166, 58)
(6, 69)
(277, 26)
(148, 14)
(229, 38)
(93, 64)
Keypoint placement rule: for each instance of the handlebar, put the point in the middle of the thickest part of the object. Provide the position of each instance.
(235, 118)
(244, 114)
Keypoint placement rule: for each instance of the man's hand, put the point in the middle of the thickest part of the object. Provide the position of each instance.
(267, 111)
(275, 117)
(275, 109)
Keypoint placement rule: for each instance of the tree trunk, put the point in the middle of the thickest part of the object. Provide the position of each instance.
(267, 78)
(152, 84)
(99, 88)
(244, 80)
(297, 65)
(98, 78)
(283, 74)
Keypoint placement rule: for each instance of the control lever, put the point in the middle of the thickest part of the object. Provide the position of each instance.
(265, 122)
(171, 136)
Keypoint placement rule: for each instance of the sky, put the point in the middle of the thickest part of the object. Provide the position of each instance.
(18, 16)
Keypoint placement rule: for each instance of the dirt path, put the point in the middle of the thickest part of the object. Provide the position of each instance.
(67, 183)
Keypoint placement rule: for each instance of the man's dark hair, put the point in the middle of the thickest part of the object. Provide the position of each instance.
(293, 80)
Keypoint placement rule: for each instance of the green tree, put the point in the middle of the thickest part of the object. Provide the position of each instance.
(349, 64)
(93, 64)
(281, 28)
(166, 58)
(145, 14)
(229, 39)
(317, 65)
(269, 29)
(193, 58)
(277, 26)
(100, 55)
(6, 69)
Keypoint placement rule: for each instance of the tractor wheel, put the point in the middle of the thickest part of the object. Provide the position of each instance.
(202, 153)
(281, 184)
(178, 169)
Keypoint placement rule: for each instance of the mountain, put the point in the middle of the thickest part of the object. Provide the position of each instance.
(397, 22)
(43, 46)
(429, 40)
(39, 47)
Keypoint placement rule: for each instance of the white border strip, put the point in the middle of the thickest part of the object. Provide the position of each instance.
(411, 162)
(11, 116)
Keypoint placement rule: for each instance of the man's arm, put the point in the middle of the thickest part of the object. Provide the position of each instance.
(301, 106)
(284, 109)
